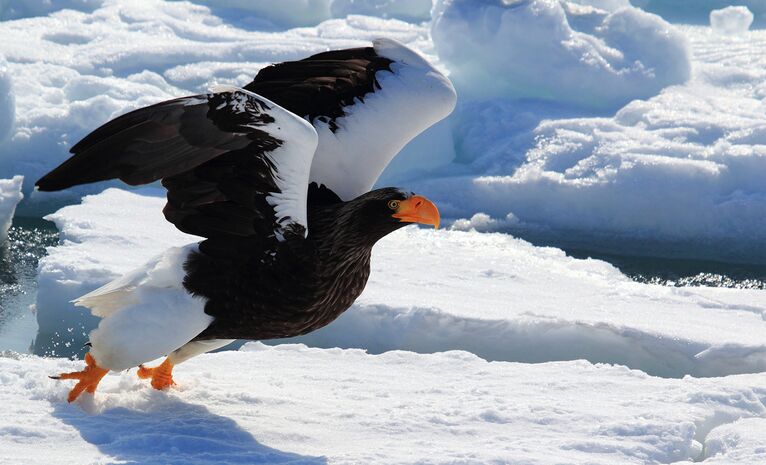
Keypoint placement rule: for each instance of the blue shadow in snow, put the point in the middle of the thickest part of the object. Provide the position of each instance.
(173, 432)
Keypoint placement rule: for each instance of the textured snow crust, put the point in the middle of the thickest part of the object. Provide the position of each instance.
(679, 174)
(7, 102)
(698, 11)
(10, 196)
(592, 57)
(95, 249)
(269, 14)
(292, 404)
(498, 297)
(737, 442)
(731, 20)
(73, 71)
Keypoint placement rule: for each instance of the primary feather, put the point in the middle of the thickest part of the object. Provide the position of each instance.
(275, 178)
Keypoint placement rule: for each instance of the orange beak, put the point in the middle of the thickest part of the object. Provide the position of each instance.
(418, 209)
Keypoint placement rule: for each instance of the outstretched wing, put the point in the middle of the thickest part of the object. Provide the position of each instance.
(365, 103)
(234, 163)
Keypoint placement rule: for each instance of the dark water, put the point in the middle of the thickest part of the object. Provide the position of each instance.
(682, 272)
(663, 262)
(19, 256)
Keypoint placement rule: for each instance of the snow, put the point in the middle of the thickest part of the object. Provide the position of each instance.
(498, 297)
(293, 404)
(618, 131)
(10, 196)
(698, 11)
(73, 71)
(7, 102)
(737, 442)
(407, 10)
(731, 20)
(15, 9)
(594, 58)
(679, 174)
(95, 249)
(267, 14)
(596, 138)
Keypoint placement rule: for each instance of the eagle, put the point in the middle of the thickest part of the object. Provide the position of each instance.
(276, 178)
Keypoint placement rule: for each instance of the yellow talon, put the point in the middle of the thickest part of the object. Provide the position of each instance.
(88, 378)
(161, 375)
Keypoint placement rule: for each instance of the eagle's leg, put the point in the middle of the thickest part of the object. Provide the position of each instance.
(161, 375)
(88, 378)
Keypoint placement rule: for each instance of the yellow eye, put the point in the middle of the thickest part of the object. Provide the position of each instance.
(393, 204)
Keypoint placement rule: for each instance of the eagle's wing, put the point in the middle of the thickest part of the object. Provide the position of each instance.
(365, 103)
(234, 163)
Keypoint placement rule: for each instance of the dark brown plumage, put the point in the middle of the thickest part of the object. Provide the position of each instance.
(321, 85)
(280, 256)
(261, 275)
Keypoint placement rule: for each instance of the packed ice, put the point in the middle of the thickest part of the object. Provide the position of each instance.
(493, 295)
(698, 11)
(591, 57)
(678, 174)
(629, 126)
(292, 404)
(731, 20)
(10, 196)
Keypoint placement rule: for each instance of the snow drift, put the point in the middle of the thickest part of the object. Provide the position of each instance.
(296, 405)
(10, 196)
(698, 11)
(679, 174)
(268, 14)
(73, 71)
(486, 293)
(15, 9)
(565, 52)
(731, 20)
(7, 102)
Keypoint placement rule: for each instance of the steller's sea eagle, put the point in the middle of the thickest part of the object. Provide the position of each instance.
(276, 176)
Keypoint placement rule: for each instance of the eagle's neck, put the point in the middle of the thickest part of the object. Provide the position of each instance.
(340, 241)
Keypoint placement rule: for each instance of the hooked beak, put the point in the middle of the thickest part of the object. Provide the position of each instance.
(418, 209)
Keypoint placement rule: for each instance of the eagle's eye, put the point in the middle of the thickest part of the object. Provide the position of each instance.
(393, 204)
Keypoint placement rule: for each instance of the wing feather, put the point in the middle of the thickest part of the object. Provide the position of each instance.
(228, 158)
(366, 105)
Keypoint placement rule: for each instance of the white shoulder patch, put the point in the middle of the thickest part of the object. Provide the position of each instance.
(291, 160)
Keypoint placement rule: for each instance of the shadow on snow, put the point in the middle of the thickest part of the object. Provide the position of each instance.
(173, 432)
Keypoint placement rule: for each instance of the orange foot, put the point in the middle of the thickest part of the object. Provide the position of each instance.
(161, 375)
(88, 378)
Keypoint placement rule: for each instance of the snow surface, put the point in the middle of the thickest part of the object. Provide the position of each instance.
(495, 296)
(292, 404)
(269, 14)
(680, 174)
(7, 102)
(731, 20)
(10, 196)
(15, 9)
(95, 249)
(73, 71)
(593, 58)
(684, 167)
(737, 442)
(675, 174)
(698, 11)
